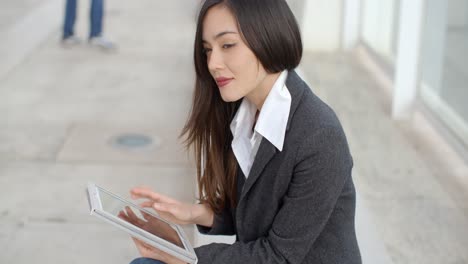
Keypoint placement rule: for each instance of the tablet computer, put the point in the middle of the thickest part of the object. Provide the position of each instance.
(140, 223)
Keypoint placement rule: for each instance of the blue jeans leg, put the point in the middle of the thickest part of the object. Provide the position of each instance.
(96, 16)
(146, 261)
(70, 16)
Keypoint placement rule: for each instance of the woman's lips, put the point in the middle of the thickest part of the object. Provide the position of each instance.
(223, 82)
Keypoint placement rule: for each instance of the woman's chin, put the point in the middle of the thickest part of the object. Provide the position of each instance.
(229, 98)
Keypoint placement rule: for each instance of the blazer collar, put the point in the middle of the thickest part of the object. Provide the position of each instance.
(266, 150)
(296, 87)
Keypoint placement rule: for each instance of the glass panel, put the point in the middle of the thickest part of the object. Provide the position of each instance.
(444, 63)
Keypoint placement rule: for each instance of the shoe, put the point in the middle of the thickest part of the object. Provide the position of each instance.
(102, 43)
(71, 41)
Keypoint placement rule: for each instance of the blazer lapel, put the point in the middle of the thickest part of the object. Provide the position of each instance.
(266, 150)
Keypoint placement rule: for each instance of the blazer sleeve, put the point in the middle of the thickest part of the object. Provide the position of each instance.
(223, 224)
(323, 165)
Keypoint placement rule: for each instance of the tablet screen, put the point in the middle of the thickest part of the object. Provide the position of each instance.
(132, 214)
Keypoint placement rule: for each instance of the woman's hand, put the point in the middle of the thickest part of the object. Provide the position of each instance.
(148, 251)
(173, 210)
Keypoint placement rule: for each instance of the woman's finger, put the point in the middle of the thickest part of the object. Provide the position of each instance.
(143, 192)
(146, 204)
(138, 192)
(142, 248)
(148, 251)
(140, 243)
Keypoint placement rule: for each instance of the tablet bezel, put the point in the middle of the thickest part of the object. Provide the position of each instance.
(95, 204)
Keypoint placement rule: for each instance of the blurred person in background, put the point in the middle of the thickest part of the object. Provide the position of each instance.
(96, 17)
(273, 163)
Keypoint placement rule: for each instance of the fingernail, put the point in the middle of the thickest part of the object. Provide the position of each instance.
(156, 205)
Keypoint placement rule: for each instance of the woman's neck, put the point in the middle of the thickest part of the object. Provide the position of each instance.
(259, 94)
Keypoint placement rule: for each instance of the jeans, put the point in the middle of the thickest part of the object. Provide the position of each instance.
(146, 261)
(96, 14)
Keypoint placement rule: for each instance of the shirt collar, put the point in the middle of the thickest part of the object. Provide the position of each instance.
(273, 117)
(244, 119)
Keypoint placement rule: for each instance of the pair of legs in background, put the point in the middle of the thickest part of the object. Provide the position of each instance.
(96, 19)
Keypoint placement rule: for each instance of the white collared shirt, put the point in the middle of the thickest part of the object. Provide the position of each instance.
(271, 124)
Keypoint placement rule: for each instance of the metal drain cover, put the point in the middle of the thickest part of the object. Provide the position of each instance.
(132, 141)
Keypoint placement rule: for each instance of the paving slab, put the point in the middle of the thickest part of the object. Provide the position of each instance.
(86, 143)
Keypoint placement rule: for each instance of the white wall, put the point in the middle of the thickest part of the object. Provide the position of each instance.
(297, 7)
(322, 25)
(351, 23)
(407, 64)
(378, 26)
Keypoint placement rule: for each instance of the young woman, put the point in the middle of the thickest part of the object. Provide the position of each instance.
(273, 164)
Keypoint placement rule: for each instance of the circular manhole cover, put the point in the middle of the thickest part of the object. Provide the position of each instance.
(132, 141)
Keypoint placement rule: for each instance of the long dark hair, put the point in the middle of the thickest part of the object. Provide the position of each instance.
(270, 30)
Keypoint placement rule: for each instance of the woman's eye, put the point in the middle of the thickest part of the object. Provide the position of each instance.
(227, 46)
(206, 50)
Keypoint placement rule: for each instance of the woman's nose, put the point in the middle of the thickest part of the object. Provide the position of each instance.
(215, 61)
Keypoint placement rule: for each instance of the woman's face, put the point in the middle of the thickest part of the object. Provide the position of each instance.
(234, 67)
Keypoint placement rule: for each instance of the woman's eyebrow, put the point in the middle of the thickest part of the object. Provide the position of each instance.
(221, 34)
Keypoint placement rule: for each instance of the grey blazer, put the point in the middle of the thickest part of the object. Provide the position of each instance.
(297, 205)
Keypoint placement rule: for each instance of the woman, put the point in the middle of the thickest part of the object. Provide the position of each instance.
(273, 164)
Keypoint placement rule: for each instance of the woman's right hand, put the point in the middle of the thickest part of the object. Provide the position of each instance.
(173, 210)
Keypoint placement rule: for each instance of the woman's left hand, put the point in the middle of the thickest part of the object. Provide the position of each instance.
(148, 251)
